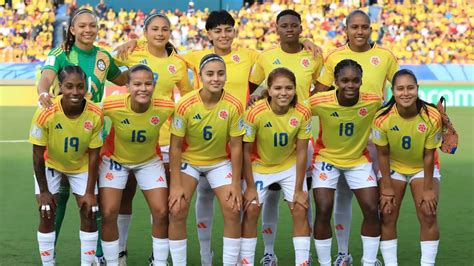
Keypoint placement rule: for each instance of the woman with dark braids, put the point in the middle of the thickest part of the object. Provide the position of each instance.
(407, 132)
(345, 117)
(379, 65)
(66, 141)
(97, 64)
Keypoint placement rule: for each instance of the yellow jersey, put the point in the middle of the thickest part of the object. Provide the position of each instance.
(238, 66)
(378, 65)
(343, 130)
(67, 140)
(274, 136)
(168, 73)
(133, 138)
(407, 138)
(302, 64)
(207, 131)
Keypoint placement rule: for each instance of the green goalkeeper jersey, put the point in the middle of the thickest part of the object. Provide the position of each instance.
(97, 64)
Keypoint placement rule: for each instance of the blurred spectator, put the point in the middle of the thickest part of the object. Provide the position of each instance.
(100, 9)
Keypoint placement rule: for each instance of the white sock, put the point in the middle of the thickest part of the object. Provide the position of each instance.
(111, 252)
(46, 247)
(302, 245)
(247, 251)
(178, 252)
(389, 252)
(429, 250)
(270, 220)
(343, 215)
(230, 251)
(161, 247)
(370, 247)
(123, 223)
(88, 246)
(323, 250)
(204, 218)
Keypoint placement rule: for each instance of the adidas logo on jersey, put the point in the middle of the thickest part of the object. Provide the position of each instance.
(277, 62)
(125, 121)
(197, 117)
(335, 114)
(144, 62)
(268, 124)
(58, 126)
(395, 128)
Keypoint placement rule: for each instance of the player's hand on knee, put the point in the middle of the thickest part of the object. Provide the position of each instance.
(300, 197)
(387, 201)
(47, 204)
(88, 205)
(428, 202)
(175, 199)
(234, 197)
(250, 195)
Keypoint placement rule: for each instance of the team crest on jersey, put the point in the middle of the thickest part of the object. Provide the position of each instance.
(88, 125)
(362, 111)
(305, 62)
(109, 176)
(101, 65)
(236, 58)
(421, 127)
(172, 68)
(223, 114)
(154, 120)
(375, 60)
(293, 121)
(323, 176)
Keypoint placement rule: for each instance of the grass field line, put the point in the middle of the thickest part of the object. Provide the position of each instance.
(14, 141)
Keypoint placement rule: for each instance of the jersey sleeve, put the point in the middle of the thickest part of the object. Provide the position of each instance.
(96, 138)
(318, 68)
(379, 134)
(327, 74)
(392, 68)
(253, 55)
(434, 135)
(236, 124)
(257, 75)
(250, 128)
(184, 84)
(114, 70)
(39, 128)
(305, 128)
(55, 61)
(178, 125)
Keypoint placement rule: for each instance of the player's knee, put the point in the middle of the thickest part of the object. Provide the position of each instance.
(160, 214)
(299, 213)
(252, 213)
(427, 219)
(323, 211)
(109, 215)
(179, 214)
(389, 220)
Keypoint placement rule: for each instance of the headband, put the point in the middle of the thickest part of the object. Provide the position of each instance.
(81, 11)
(152, 16)
(211, 57)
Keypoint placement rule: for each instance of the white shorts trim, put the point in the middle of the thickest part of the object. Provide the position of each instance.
(408, 178)
(77, 181)
(149, 175)
(286, 179)
(165, 153)
(217, 175)
(326, 175)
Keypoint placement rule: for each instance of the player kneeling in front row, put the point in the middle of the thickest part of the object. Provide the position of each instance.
(132, 147)
(277, 131)
(71, 132)
(406, 133)
(206, 123)
(345, 116)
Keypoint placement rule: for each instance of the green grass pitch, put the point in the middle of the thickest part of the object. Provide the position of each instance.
(19, 216)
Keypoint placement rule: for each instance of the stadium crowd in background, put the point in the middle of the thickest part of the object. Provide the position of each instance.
(417, 33)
